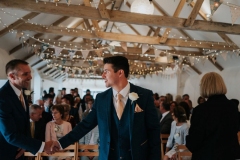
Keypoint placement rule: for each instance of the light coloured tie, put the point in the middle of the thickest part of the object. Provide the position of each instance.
(32, 129)
(22, 100)
(119, 106)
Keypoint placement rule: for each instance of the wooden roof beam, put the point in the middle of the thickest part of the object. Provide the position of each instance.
(193, 68)
(18, 22)
(193, 14)
(176, 14)
(120, 16)
(56, 23)
(127, 37)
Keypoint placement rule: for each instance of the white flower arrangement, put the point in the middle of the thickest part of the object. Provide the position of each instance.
(177, 135)
(57, 128)
(133, 96)
(27, 92)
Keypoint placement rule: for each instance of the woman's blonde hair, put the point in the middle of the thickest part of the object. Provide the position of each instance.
(212, 84)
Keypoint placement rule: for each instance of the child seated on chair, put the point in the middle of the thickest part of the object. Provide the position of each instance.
(179, 130)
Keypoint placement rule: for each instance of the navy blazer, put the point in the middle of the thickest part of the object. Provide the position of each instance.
(14, 125)
(144, 128)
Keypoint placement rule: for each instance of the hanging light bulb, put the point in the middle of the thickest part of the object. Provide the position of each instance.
(142, 6)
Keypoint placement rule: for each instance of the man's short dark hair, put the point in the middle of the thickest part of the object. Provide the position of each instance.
(185, 95)
(46, 96)
(166, 106)
(118, 62)
(11, 65)
(64, 89)
(34, 107)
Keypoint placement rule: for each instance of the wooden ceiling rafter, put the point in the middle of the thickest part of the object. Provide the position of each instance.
(18, 22)
(222, 35)
(176, 14)
(120, 16)
(128, 38)
(56, 23)
(194, 13)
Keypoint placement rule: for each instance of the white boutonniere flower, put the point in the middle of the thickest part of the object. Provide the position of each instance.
(27, 92)
(133, 96)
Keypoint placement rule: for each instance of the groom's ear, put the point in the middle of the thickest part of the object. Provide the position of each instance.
(121, 72)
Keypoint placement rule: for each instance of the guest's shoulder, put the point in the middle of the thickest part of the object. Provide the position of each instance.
(104, 93)
(141, 89)
(66, 123)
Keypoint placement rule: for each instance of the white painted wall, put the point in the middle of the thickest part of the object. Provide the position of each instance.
(5, 58)
(231, 77)
(159, 84)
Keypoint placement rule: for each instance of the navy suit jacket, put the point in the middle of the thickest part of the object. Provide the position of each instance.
(14, 125)
(144, 126)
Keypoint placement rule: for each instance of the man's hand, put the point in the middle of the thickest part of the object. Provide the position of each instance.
(20, 153)
(48, 147)
(55, 146)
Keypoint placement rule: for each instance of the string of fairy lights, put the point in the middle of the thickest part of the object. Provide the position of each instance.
(142, 69)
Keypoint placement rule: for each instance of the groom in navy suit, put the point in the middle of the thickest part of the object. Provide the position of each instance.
(14, 114)
(134, 135)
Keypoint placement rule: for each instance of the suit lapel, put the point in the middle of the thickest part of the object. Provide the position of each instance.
(132, 109)
(16, 100)
(109, 100)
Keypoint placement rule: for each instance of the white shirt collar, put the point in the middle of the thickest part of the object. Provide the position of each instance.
(124, 92)
(164, 114)
(16, 90)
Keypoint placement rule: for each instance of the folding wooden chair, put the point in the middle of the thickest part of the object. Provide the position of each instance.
(63, 153)
(164, 139)
(183, 152)
(89, 147)
(33, 157)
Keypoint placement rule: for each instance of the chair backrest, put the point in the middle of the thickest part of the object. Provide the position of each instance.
(164, 139)
(183, 152)
(88, 147)
(29, 154)
(63, 153)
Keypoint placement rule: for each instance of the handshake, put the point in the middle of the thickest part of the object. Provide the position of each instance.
(51, 147)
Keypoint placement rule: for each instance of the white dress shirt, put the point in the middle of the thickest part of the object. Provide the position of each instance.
(124, 92)
(163, 115)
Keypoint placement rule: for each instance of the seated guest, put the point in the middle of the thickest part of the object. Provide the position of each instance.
(201, 100)
(188, 101)
(166, 120)
(92, 137)
(173, 104)
(57, 128)
(186, 108)
(48, 102)
(179, 130)
(68, 99)
(67, 117)
(157, 105)
(35, 114)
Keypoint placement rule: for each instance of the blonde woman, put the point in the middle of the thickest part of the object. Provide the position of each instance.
(214, 123)
(57, 128)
